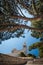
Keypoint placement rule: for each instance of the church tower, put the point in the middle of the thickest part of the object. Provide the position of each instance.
(25, 48)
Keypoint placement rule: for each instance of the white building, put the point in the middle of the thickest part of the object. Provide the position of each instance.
(16, 52)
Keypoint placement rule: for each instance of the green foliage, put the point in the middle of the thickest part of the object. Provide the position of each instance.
(22, 54)
(39, 25)
(28, 55)
(31, 55)
(39, 46)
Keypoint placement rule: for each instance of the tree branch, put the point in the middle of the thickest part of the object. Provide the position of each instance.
(18, 26)
(26, 18)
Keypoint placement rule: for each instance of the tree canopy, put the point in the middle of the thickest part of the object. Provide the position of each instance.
(12, 17)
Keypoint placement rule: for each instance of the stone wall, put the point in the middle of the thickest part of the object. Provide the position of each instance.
(31, 60)
(9, 60)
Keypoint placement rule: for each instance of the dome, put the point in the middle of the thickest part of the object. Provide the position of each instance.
(14, 50)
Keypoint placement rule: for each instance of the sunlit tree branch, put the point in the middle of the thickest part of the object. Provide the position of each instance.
(26, 18)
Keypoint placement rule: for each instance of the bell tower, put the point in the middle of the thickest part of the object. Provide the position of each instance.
(24, 45)
(25, 48)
